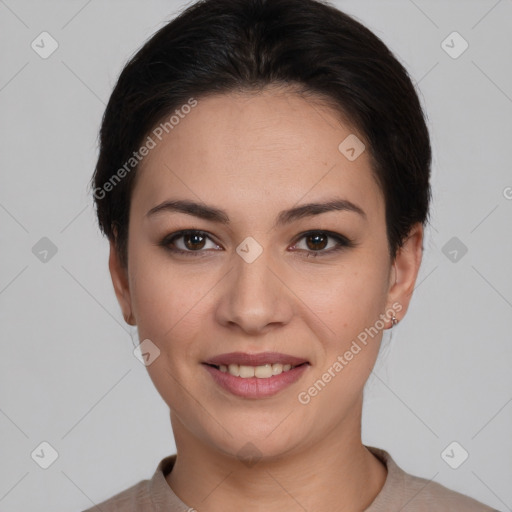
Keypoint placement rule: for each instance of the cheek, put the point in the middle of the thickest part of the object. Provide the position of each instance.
(353, 297)
(351, 308)
(166, 298)
(167, 305)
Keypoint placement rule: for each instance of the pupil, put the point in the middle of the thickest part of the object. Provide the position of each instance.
(194, 244)
(316, 238)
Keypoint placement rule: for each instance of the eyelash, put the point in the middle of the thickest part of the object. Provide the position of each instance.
(342, 242)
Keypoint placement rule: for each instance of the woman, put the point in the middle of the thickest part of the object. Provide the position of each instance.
(263, 179)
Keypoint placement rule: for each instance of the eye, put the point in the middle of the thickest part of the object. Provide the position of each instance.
(316, 243)
(189, 242)
(193, 242)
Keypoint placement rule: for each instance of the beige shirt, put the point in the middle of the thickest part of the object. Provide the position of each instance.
(401, 492)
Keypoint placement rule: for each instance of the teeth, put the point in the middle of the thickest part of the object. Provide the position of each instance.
(277, 369)
(246, 371)
(261, 372)
(234, 369)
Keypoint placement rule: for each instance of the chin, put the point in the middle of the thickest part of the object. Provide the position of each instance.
(262, 441)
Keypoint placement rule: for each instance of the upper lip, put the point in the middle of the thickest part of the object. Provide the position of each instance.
(242, 358)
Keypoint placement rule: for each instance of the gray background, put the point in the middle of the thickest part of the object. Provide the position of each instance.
(67, 372)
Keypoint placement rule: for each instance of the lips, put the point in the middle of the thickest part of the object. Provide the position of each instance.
(255, 375)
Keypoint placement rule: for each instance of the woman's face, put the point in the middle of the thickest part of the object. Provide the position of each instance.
(258, 281)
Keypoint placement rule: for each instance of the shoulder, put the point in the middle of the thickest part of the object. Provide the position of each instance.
(412, 493)
(144, 496)
(132, 499)
(426, 495)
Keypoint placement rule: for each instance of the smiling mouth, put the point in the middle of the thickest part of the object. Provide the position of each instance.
(264, 371)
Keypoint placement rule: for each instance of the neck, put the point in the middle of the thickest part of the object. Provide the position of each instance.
(335, 473)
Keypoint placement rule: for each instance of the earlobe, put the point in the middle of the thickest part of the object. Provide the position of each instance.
(405, 270)
(121, 286)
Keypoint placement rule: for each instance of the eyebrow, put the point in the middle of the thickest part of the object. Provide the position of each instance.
(284, 217)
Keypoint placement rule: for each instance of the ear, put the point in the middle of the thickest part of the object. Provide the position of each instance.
(121, 287)
(405, 271)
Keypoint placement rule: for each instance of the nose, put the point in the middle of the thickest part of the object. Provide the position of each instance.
(254, 297)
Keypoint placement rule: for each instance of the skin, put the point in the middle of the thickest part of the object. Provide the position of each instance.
(254, 155)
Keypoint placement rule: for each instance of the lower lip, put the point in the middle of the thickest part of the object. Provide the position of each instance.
(253, 387)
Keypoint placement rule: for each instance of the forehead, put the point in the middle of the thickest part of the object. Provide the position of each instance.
(253, 151)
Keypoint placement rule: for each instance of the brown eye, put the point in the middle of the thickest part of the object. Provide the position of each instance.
(317, 242)
(194, 241)
(190, 242)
